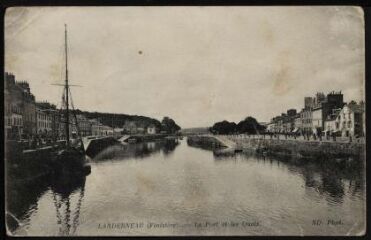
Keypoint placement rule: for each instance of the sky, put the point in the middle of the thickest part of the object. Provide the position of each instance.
(197, 65)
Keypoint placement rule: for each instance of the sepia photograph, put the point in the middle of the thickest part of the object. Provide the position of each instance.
(185, 121)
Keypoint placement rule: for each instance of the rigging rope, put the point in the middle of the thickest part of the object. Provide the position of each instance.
(77, 124)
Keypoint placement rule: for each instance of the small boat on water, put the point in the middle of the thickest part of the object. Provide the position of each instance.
(71, 158)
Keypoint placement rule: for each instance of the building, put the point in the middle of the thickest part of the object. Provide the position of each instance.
(312, 115)
(276, 124)
(271, 126)
(44, 122)
(118, 131)
(151, 129)
(106, 131)
(319, 99)
(13, 123)
(317, 109)
(351, 120)
(18, 100)
(47, 120)
(285, 123)
(20, 94)
(308, 102)
(96, 127)
(29, 109)
(289, 121)
(12, 116)
(298, 125)
(331, 125)
(291, 112)
(306, 119)
(84, 125)
(317, 119)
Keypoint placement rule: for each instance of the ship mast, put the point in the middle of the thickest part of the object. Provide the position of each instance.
(67, 89)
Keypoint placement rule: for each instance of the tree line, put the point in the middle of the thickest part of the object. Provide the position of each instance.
(248, 126)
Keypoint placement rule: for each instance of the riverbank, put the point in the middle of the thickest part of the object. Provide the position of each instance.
(289, 147)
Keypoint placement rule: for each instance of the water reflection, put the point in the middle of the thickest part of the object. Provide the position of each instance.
(169, 146)
(21, 199)
(67, 193)
(138, 150)
(326, 177)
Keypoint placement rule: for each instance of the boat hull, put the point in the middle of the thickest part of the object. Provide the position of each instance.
(70, 161)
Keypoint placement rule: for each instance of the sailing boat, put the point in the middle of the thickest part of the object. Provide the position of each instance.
(71, 158)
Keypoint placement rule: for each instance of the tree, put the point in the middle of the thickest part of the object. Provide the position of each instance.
(169, 126)
(250, 125)
(224, 127)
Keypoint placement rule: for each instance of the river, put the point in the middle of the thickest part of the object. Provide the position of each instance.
(171, 188)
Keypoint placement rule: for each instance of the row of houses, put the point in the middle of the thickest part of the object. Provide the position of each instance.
(131, 127)
(323, 115)
(19, 108)
(25, 117)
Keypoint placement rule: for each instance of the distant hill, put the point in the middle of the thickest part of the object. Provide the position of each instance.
(118, 120)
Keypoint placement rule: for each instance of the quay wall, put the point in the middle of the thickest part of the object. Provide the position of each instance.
(205, 141)
(299, 148)
(27, 164)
